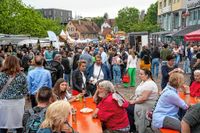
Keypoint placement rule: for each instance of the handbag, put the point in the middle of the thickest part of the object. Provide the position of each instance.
(6, 85)
(126, 78)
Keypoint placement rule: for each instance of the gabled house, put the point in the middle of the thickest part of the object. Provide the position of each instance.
(82, 29)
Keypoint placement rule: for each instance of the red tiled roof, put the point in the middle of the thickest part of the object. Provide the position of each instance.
(86, 27)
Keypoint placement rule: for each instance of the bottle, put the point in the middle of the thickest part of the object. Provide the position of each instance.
(74, 120)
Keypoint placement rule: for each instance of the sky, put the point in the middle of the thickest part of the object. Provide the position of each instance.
(91, 8)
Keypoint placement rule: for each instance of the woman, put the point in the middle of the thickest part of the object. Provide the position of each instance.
(61, 89)
(155, 62)
(131, 68)
(56, 118)
(145, 97)
(176, 52)
(79, 79)
(116, 69)
(13, 89)
(195, 86)
(111, 110)
(166, 111)
(145, 63)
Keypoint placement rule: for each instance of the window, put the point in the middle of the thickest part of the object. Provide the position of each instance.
(169, 2)
(61, 13)
(49, 12)
(195, 15)
(198, 14)
(160, 5)
(72, 29)
(165, 3)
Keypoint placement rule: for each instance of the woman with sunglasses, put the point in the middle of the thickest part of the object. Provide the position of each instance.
(61, 89)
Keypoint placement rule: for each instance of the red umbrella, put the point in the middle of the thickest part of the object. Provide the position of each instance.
(193, 36)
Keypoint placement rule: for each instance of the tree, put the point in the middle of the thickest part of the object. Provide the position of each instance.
(127, 17)
(17, 18)
(98, 20)
(152, 12)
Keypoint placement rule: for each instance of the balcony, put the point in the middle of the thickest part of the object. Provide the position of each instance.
(166, 9)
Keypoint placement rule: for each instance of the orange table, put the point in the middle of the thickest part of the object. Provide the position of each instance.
(187, 98)
(85, 123)
(168, 131)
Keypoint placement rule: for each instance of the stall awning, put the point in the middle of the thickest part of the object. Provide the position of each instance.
(193, 36)
(186, 30)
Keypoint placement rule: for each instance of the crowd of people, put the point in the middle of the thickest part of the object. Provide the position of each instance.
(52, 79)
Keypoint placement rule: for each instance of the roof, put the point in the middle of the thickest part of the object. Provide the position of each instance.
(138, 33)
(86, 27)
(186, 30)
(106, 31)
(160, 33)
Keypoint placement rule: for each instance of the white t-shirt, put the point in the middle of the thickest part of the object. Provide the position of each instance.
(96, 72)
(131, 63)
(147, 85)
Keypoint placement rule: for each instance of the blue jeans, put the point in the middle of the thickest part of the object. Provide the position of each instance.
(155, 67)
(116, 74)
(177, 59)
(186, 66)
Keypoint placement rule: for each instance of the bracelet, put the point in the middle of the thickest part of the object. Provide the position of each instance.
(187, 93)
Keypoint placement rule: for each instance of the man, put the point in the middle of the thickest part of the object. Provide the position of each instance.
(103, 55)
(67, 69)
(76, 59)
(191, 121)
(48, 55)
(44, 98)
(97, 71)
(164, 53)
(59, 69)
(38, 78)
(86, 56)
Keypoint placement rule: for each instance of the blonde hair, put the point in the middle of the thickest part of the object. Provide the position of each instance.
(107, 85)
(176, 80)
(56, 115)
(132, 52)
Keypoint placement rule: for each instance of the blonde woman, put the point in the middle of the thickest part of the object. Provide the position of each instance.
(56, 118)
(131, 68)
(166, 111)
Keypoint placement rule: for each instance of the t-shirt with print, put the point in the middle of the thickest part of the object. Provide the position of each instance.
(192, 117)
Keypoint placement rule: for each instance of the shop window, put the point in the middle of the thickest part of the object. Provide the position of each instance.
(199, 14)
(195, 15)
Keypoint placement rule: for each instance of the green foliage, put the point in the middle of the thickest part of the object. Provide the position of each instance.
(128, 20)
(98, 20)
(152, 12)
(17, 18)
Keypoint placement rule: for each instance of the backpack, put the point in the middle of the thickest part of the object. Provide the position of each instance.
(53, 70)
(35, 120)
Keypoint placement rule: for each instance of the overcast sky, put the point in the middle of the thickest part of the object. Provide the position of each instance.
(91, 8)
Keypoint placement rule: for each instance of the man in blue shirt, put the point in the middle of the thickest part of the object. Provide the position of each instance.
(37, 78)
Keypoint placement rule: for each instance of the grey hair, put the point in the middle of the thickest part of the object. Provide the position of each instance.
(107, 85)
(197, 72)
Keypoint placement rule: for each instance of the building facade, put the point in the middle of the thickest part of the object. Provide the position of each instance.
(57, 14)
(79, 29)
(193, 8)
(170, 14)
